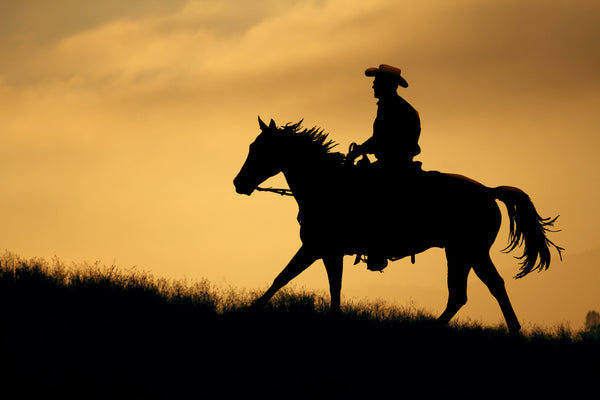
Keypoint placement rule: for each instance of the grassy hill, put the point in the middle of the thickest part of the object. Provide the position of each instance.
(95, 332)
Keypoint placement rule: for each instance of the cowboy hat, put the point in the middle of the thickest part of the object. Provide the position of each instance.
(388, 71)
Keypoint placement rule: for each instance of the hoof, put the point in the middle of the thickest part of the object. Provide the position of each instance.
(514, 333)
(256, 305)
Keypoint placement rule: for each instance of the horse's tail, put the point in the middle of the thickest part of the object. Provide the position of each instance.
(528, 228)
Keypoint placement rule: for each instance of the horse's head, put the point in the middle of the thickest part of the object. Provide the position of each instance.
(264, 159)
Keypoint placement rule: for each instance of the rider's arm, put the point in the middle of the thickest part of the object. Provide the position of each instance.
(359, 150)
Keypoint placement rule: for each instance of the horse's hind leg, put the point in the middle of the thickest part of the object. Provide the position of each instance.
(458, 272)
(486, 271)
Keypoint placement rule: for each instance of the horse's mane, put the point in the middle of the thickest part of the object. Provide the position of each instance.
(313, 140)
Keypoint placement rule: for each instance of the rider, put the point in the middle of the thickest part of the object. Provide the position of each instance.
(397, 127)
(396, 132)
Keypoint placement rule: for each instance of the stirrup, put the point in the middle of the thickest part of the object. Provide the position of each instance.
(378, 264)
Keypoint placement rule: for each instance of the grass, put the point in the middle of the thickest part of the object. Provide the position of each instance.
(88, 331)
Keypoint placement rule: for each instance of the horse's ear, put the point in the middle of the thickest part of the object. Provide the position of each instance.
(272, 124)
(262, 125)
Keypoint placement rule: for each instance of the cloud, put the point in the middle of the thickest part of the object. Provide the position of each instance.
(211, 60)
(215, 46)
(204, 53)
(41, 21)
(288, 60)
(71, 39)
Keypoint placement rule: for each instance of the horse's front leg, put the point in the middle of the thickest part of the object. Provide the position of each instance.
(334, 264)
(301, 261)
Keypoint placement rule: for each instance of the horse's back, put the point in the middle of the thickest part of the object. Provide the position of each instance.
(459, 177)
(451, 186)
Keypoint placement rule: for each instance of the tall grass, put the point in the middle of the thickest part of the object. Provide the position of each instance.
(23, 281)
(95, 331)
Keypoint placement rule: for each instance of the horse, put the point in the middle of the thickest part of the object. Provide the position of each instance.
(347, 210)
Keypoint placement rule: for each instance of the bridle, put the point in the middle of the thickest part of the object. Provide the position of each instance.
(283, 192)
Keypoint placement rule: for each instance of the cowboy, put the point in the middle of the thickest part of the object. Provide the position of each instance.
(396, 132)
(397, 127)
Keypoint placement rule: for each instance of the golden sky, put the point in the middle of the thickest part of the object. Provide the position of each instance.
(124, 123)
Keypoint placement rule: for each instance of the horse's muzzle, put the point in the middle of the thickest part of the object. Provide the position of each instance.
(242, 188)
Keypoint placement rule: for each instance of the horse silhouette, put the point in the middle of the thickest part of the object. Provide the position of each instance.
(348, 210)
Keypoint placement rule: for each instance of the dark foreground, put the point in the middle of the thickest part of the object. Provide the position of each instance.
(92, 334)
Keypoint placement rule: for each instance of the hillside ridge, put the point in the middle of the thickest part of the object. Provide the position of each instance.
(126, 334)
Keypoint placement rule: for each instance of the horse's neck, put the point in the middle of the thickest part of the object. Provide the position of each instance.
(309, 183)
(298, 180)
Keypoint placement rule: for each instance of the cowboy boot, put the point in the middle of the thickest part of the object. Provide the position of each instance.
(376, 262)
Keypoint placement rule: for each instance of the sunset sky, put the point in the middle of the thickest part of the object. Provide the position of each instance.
(123, 124)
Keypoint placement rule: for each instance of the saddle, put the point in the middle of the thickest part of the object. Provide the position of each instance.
(371, 181)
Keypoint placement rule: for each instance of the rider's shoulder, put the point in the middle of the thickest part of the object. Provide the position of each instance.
(394, 100)
(394, 104)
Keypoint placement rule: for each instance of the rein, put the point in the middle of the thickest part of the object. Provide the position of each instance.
(283, 192)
